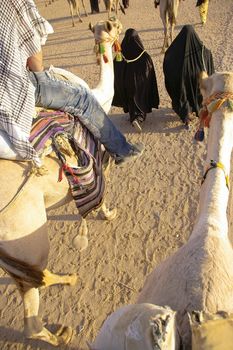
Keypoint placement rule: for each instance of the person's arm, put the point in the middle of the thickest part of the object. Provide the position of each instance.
(35, 62)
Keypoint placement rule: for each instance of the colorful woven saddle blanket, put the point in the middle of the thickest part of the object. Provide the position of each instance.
(58, 131)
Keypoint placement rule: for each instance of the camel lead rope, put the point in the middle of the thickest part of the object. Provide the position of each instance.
(214, 165)
(212, 104)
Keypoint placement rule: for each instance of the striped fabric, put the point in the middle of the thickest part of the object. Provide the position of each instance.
(85, 178)
(48, 124)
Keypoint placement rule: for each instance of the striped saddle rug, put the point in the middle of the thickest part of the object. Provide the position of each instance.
(58, 131)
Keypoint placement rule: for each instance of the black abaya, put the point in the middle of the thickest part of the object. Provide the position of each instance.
(183, 61)
(94, 6)
(135, 82)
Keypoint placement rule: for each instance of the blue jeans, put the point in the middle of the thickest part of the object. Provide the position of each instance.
(80, 102)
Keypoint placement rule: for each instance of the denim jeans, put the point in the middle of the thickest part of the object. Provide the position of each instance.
(80, 102)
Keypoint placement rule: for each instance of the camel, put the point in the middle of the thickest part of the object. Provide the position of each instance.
(112, 5)
(168, 14)
(75, 9)
(74, 6)
(199, 276)
(24, 243)
(106, 34)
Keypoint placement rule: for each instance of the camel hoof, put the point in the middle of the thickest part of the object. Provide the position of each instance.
(80, 242)
(109, 214)
(73, 279)
(64, 335)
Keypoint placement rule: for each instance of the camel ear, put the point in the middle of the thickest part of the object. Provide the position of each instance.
(91, 27)
(108, 26)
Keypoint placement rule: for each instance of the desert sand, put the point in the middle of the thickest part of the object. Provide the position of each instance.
(156, 196)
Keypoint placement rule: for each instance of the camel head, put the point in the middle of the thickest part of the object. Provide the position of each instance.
(106, 31)
(137, 327)
(216, 83)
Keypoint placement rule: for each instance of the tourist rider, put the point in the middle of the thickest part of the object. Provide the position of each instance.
(24, 83)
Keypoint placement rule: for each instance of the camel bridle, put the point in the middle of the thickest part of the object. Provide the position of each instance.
(210, 105)
(99, 48)
(213, 165)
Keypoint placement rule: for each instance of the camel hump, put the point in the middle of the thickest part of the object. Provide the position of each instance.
(12, 175)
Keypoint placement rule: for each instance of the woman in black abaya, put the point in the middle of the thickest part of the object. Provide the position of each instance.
(135, 82)
(183, 61)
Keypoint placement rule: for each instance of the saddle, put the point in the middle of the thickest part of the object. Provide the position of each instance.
(80, 155)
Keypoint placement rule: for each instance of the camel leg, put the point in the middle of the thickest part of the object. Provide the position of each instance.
(33, 327)
(172, 31)
(84, 9)
(116, 9)
(107, 213)
(72, 13)
(51, 279)
(77, 10)
(164, 18)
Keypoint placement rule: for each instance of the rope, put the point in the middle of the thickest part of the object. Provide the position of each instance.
(210, 105)
(135, 59)
(214, 165)
(29, 175)
(218, 95)
(203, 59)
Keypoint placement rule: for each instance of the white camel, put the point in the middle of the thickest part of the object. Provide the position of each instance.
(112, 5)
(168, 13)
(199, 276)
(106, 34)
(24, 245)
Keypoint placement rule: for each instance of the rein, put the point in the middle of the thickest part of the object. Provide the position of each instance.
(210, 105)
(135, 59)
(213, 165)
(32, 171)
(99, 48)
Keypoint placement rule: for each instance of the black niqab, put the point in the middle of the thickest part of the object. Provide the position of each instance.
(183, 61)
(135, 82)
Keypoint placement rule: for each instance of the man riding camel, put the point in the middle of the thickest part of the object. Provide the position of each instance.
(24, 83)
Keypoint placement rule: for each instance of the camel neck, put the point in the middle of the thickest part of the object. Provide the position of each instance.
(106, 78)
(212, 219)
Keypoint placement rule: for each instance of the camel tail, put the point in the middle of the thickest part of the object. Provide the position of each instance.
(25, 275)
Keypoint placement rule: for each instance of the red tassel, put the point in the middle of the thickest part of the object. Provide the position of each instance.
(117, 46)
(105, 58)
(60, 177)
(70, 170)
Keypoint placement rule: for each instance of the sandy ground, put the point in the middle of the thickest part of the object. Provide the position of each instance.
(156, 197)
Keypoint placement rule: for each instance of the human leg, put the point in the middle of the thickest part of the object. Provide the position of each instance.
(78, 101)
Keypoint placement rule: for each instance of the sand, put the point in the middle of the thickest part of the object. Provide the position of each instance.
(156, 196)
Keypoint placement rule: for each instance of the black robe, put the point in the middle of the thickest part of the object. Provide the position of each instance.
(183, 61)
(94, 6)
(135, 83)
(125, 3)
